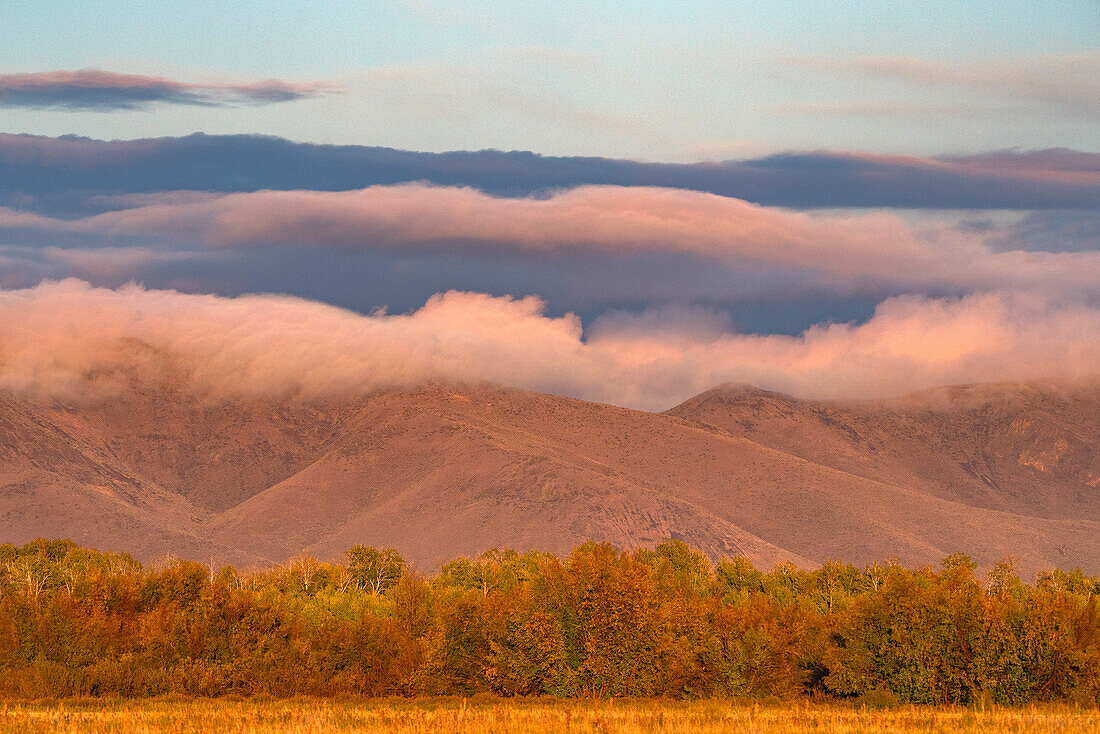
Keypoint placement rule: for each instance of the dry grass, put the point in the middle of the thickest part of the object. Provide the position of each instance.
(460, 716)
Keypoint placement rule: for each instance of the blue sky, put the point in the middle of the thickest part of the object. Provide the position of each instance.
(660, 81)
(331, 38)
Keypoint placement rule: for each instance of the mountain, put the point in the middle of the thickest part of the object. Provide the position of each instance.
(1029, 449)
(442, 471)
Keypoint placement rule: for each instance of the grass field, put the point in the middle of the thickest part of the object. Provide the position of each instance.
(460, 716)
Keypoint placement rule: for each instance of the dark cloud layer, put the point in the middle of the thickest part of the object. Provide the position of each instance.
(1053, 231)
(58, 173)
(106, 91)
(757, 300)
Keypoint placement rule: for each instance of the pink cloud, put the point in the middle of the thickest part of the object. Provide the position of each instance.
(70, 340)
(848, 252)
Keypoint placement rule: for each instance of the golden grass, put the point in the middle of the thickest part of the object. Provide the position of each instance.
(461, 716)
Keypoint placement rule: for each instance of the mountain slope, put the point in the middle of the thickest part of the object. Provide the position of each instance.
(440, 471)
(59, 478)
(1023, 448)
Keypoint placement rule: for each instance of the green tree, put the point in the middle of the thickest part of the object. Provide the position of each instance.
(374, 569)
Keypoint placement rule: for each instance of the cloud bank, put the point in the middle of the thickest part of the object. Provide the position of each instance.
(876, 252)
(359, 226)
(69, 340)
(59, 173)
(107, 91)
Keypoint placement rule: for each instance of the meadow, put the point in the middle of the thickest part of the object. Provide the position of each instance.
(526, 716)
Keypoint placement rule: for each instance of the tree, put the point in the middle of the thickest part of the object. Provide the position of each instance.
(373, 569)
(737, 579)
(688, 565)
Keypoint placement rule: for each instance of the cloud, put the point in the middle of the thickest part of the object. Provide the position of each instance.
(22, 265)
(843, 253)
(759, 298)
(59, 171)
(1067, 81)
(107, 91)
(1052, 231)
(72, 341)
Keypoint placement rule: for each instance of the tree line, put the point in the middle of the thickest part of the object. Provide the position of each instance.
(599, 622)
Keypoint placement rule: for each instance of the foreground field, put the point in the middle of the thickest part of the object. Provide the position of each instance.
(459, 716)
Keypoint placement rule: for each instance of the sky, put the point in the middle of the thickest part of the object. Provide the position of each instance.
(626, 202)
(660, 81)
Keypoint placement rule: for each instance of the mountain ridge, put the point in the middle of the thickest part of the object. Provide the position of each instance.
(443, 471)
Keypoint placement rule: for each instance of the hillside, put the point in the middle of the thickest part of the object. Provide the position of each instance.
(1024, 448)
(440, 471)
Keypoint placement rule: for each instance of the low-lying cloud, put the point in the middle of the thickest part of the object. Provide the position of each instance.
(107, 91)
(844, 253)
(72, 341)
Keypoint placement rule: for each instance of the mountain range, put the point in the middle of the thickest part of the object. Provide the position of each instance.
(442, 471)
